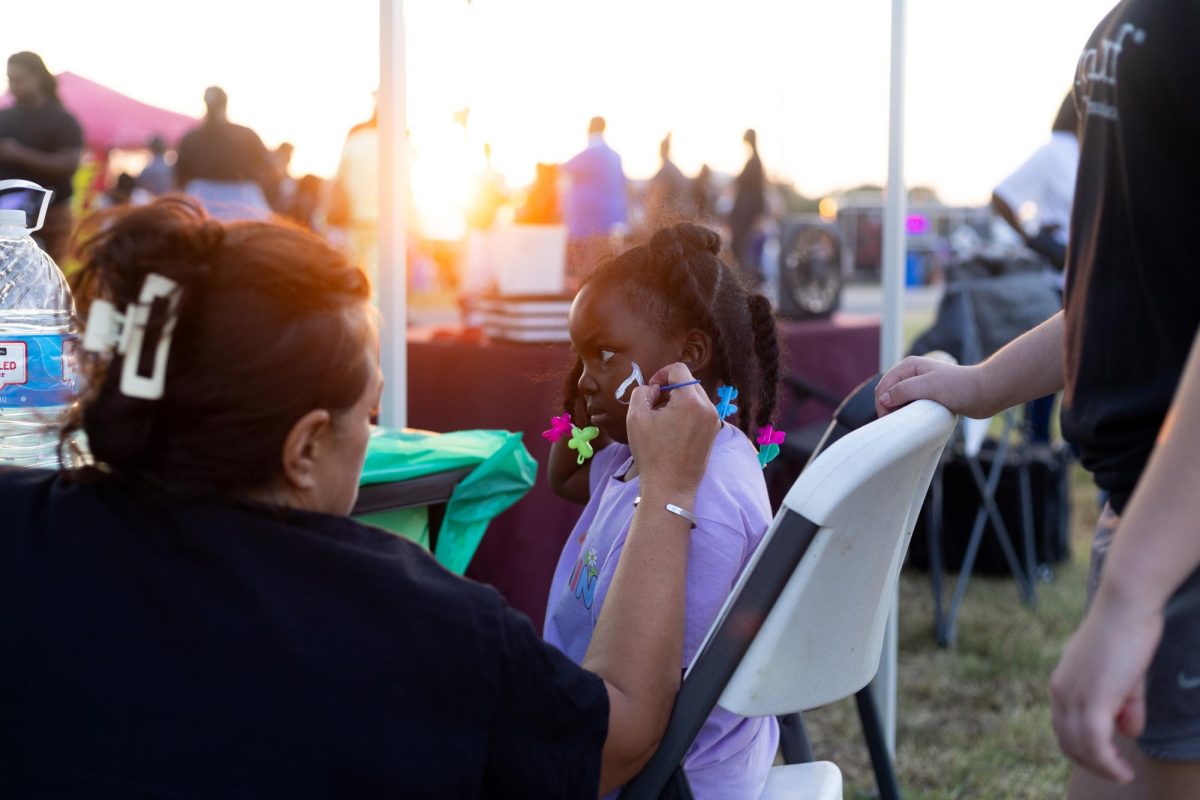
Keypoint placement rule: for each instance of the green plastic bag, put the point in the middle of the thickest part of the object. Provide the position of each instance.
(503, 472)
(411, 523)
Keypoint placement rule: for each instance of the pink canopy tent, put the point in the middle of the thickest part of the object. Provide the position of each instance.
(111, 120)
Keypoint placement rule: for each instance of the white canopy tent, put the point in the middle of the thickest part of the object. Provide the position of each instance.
(393, 270)
(892, 331)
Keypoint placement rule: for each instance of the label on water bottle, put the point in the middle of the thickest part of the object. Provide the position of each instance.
(37, 371)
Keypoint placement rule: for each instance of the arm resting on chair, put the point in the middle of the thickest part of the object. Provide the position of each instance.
(1029, 367)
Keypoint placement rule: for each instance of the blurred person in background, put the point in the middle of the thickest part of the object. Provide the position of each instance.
(158, 177)
(285, 184)
(749, 207)
(226, 166)
(669, 194)
(702, 194)
(1036, 201)
(40, 141)
(303, 208)
(353, 203)
(1036, 198)
(124, 192)
(595, 201)
(541, 201)
(489, 196)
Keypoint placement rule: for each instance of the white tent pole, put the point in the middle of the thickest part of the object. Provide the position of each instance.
(891, 332)
(393, 283)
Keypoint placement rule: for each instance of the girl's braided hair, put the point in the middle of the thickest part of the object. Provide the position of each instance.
(678, 282)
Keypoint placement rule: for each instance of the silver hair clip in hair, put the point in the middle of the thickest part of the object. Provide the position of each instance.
(143, 373)
(104, 330)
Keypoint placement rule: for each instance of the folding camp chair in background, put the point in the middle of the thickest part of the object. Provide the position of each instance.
(987, 516)
(804, 624)
(991, 297)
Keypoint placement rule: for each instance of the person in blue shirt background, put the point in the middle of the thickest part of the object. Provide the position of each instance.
(595, 201)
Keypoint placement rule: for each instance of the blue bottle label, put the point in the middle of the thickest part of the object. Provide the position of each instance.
(37, 371)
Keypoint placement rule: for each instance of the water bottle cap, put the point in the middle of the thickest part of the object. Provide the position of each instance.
(12, 221)
(46, 195)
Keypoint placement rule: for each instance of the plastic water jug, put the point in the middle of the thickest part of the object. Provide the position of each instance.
(38, 341)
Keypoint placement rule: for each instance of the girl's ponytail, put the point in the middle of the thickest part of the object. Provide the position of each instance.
(766, 349)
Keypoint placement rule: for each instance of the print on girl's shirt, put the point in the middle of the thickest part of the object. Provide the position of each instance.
(584, 577)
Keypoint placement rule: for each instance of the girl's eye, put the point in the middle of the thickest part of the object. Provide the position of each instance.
(606, 355)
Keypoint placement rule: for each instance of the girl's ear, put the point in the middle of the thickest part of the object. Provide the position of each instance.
(697, 351)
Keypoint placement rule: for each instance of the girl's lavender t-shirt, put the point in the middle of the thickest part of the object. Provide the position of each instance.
(731, 755)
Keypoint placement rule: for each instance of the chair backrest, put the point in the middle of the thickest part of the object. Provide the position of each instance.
(822, 639)
(804, 624)
(852, 413)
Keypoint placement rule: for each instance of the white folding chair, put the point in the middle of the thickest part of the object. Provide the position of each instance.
(804, 624)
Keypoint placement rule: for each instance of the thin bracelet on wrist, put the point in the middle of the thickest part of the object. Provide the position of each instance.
(674, 509)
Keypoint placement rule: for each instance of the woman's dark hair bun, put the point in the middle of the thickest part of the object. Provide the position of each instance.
(272, 323)
(680, 242)
(173, 237)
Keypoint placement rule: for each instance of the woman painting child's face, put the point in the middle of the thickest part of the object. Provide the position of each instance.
(609, 336)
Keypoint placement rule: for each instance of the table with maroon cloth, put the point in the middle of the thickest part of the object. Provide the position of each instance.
(457, 383)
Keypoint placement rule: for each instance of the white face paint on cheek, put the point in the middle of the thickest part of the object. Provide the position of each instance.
(627, 384)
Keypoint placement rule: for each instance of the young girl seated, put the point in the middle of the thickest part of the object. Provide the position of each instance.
(670, 300)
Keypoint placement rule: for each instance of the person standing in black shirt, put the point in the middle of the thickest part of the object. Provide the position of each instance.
(195, 616)
(668, 195)
(226, 166)
(749, 206)
(41, 142)
(1127, 353)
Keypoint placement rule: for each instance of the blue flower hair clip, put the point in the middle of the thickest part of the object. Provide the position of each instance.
(726, 407)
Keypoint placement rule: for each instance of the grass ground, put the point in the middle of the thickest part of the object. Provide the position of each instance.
(974, 720)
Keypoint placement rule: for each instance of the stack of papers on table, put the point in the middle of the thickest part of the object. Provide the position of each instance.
(526, 318)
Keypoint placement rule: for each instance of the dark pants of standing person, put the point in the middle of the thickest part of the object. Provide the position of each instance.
(1037, 417)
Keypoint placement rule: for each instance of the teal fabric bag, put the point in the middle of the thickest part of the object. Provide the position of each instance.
(503, 472)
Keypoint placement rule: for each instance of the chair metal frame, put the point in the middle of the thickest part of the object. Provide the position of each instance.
(945, 622)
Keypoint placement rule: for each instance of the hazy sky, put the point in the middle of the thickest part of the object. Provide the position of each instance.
(984, 78)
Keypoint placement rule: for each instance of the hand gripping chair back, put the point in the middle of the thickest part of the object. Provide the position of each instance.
(804, 624)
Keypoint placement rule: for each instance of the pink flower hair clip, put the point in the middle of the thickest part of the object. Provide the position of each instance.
(769, 439)
(560, 426)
